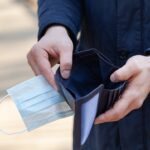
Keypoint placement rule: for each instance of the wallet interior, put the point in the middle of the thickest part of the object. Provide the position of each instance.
(90, 70)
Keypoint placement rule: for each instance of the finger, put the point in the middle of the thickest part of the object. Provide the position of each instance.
(44, 67)
(66, 62)
(35, 68)
(129, 101)
(118, 111)
(124, 73)
(33, 65)
(133, 95)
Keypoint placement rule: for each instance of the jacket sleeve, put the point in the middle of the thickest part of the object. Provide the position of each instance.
(60, 12)
(147, 52)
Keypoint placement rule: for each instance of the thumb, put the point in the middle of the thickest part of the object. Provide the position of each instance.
(124, 73)
(66, 62)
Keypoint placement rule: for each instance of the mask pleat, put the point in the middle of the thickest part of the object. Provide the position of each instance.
(49, 113)
(38, 100)
(33, 87)
(41, 106)
(49, 92)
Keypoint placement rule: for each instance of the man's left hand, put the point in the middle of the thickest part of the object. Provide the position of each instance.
(137, 72)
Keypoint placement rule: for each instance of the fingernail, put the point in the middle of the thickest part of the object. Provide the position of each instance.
(113, 78)
(99, 120)
(65, 74)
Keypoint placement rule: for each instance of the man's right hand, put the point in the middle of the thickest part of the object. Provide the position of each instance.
(55, 46)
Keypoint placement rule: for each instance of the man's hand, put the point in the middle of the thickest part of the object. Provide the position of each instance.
(53, 47)
(137, 72)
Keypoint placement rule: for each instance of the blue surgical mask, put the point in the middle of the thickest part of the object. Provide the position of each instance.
(38, 103)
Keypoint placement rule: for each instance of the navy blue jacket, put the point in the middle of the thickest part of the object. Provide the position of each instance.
(119, 29)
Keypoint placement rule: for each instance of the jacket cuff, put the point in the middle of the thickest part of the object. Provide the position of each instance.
(58, 21)
(147, 52)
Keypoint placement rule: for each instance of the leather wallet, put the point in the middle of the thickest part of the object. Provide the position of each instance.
(89, 91)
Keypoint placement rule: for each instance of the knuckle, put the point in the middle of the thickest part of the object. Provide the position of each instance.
(68, 46)
(43, 70)
(138, 104)
(29, 62)
(134, 95)
(37, 52)
(135, 64)
(117, 115)
(30, 55)
(33, 50)
(29, 58)
(67, 65)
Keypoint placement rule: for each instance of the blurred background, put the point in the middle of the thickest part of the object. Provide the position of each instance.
(18, 32)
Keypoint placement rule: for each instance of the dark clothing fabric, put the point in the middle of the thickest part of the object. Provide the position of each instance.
(119, 29)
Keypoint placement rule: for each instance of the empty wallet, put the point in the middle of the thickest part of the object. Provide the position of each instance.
(89, 91)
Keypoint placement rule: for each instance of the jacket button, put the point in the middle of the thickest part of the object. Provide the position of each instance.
(123, 55)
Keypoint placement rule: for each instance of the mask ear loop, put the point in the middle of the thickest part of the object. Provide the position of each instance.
(10, 133)
(4, 98)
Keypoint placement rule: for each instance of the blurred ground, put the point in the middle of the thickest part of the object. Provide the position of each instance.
(18, 30)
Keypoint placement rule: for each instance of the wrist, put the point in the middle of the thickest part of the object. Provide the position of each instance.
(57, 28)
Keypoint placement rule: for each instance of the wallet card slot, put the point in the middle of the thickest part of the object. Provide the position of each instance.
(115, 97)
(103, 100)
(110, 99)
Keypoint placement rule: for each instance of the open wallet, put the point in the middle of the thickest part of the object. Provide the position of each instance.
(89, 91)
